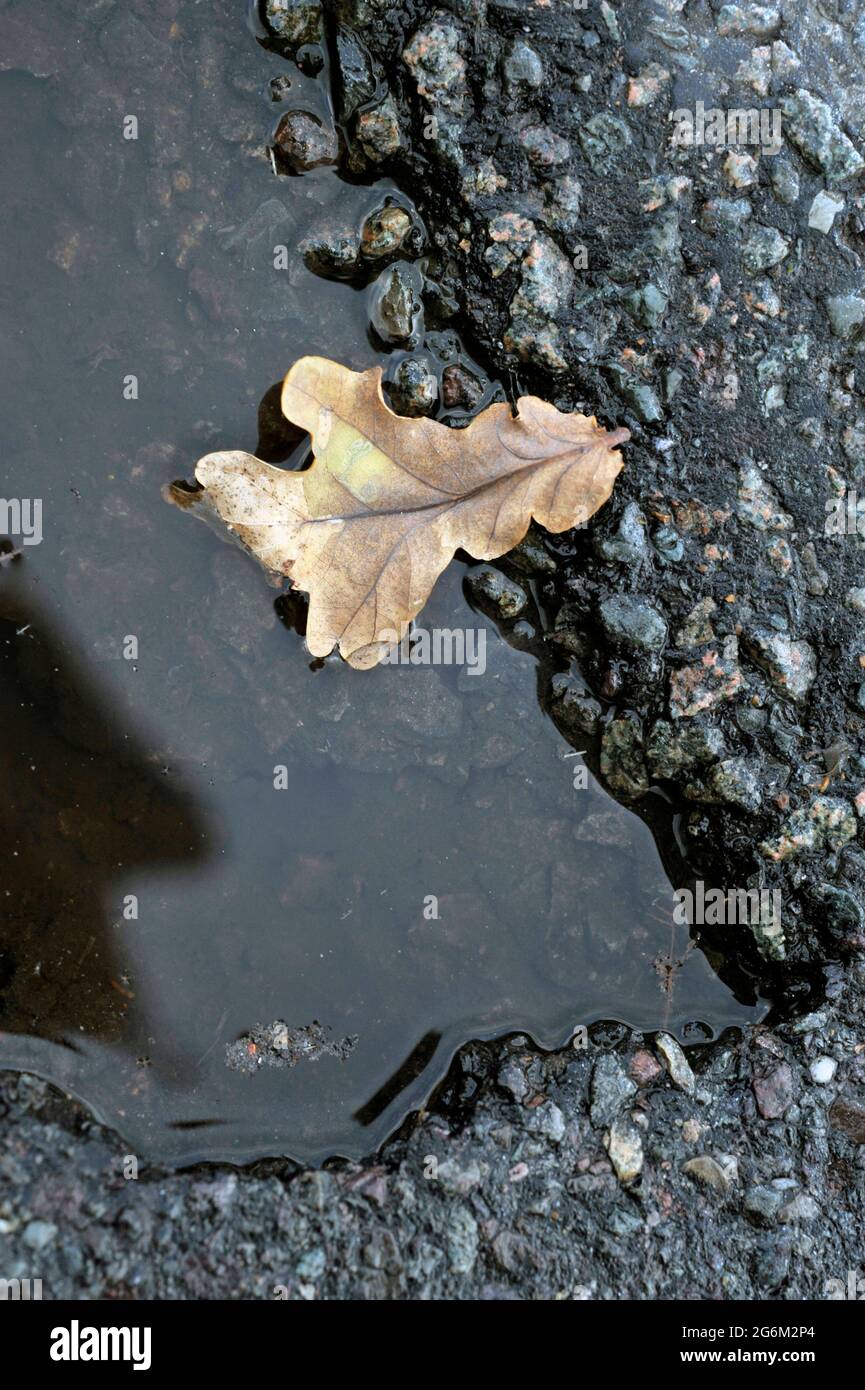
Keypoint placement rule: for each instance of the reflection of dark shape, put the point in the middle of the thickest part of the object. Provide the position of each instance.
(278, 438)
(81, 809)
(292, 609)
(656, 809)
(417, 1062)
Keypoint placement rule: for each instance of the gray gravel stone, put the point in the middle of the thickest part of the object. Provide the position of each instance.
(846, 313)
(811, 126)
(611, 1090)
(633, 623)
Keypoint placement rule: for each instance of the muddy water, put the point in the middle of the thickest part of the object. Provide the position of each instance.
(201, 830)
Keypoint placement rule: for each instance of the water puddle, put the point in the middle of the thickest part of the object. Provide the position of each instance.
(252, 904)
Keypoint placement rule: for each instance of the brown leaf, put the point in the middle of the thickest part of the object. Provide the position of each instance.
(368, 528)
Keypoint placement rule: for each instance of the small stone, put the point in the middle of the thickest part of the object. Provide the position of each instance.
(853, 442)
(640, 396)
(305, 142)
(765, 301)
(625, 1148)
(764, 247)
(763, 21)
(738, 782)
(628, 546)
(544, 147)
(647, 86)
(780, 555)
(461, 389)
(801, 1208)
(829, 820)
(707, 1171)
(848, 1117)
(379, 131)
(461, 1240)
(644, 1068)
(413, 389)
(385, 232)
(562, 202)
(573, 708)
(725, 214)
(512, 1078)
(676, 1063)
(438, 67)
(489, 587)
(608, 14)
(671, 32)
(622, 759)
(757, 502)
(774, 1092)
(823, 1070)
(785, 181)
(714, 678)
(784, 61)
(531, 555)
(312, 1265)
(729, 1165)
(818, 578)
(545, 286)
(697, 628)
(672, 749)
(549, 1121)
(648, 305)
(332, 252)
(603, 137)
(523, 67)
(458, 1178)
(843, 917)
(740, 170)
(38, 1234)
(846, 313)
(666, 539)
(790, 665)
(810, 125)
(824, 209)
(764, 1202)
(295, 21)
(633, 623)
(813, 1022)
(395, 304)
(611, 1090)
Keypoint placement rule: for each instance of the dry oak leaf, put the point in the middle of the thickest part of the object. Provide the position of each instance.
(368, 528)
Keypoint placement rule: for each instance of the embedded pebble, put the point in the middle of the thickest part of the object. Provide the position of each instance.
(625, 1148)
(676, 1063)
(305, 141)
(708, 1172)
(824, 209)
(413, 389)
(823, 1070)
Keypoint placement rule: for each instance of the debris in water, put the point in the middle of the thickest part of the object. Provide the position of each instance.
(277, 1045)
